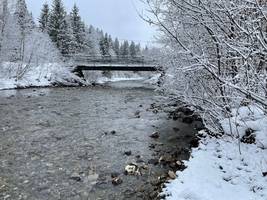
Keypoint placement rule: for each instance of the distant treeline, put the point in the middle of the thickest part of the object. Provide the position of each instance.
(72, 36)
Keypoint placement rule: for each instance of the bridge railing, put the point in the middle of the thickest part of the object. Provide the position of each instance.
(109, 59)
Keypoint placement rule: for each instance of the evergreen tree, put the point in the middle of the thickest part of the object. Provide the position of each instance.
(110, 42)
(25, 22)
(58, 27)
(132, 49)
(104, 45)
(124, 49)
(116, 47)
(78, 30)
(23, 17)
(138, 50)
(44, 18)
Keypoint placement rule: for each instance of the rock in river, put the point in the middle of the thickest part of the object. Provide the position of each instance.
(131, 169)
(155, 135)
(117, 181)
(128, 153)
(76, 177)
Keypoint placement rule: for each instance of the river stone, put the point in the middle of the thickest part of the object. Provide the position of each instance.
(172, 175)
(155, 135)
(152, 146)
(166, 159)
(179, 163)
(113, 132)
(128, 153)
(76, 177)
(117, 181)
(131, 169)
(137, 114)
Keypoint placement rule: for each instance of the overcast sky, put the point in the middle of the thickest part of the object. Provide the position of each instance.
(117, 17)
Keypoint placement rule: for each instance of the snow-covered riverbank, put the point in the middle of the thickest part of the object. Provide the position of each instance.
(226, 168)
(38, 76)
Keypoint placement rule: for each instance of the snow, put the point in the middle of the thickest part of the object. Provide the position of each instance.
(12, 4)
(41, 75)
(223, 168)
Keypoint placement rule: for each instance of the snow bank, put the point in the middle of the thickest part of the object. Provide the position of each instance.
(225, 169)
(41, 75)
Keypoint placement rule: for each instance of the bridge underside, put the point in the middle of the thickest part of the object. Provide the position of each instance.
(104, 67)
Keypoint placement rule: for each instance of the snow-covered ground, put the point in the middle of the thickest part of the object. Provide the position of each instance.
(41, 75)
(225, 168)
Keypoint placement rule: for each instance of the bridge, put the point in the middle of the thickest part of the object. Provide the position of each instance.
(110, 63)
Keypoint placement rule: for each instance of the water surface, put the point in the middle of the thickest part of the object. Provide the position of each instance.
(56, 143)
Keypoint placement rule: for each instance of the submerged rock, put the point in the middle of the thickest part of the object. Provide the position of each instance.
(113, 132)
(137, 114)
(128, 153)
(76, 177)
(116, 181)
(155, 135)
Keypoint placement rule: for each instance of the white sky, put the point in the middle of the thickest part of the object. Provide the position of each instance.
(117, 17)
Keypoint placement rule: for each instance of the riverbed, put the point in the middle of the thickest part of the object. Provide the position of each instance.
(66, 143)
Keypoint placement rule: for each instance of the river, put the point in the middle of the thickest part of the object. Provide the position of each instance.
(65, 143)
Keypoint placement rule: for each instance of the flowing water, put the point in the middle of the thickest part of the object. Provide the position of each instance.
(64, 143)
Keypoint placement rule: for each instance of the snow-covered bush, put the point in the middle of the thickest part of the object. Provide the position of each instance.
(28, 57)
(215, 54)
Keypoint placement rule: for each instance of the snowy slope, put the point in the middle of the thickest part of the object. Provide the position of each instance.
(225, 169)
(41, 75)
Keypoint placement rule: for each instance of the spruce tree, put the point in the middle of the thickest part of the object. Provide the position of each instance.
(58, 27)
(124, 49)
(78, 30)
(104, 45)
(23, 17)
(116, 47)
(26, 25)
(110, 42)
(132, 50)
(138, 50)
(44, 18)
